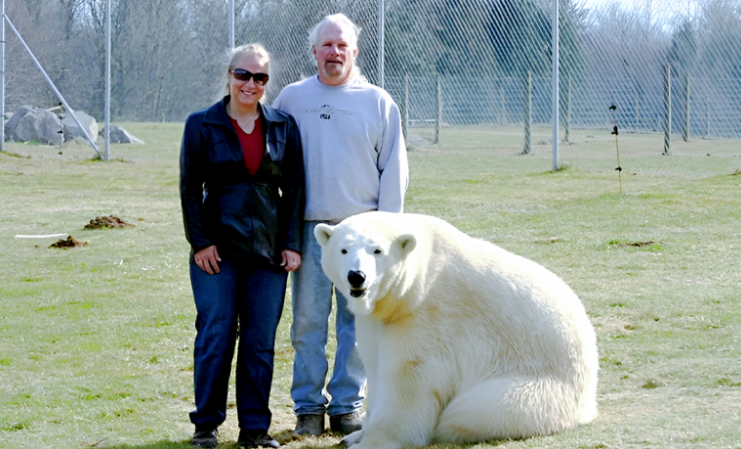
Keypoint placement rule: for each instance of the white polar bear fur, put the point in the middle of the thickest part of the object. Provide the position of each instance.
(462, 341)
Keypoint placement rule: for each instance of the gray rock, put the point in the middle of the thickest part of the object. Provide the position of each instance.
(72, 129)
(15, 118)
(30, 123)
(120, 135)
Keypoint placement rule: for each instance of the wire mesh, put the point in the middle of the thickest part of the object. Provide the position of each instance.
(169, 56)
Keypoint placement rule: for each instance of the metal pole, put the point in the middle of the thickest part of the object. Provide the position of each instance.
(2, 75)
(668, 118)
(231, 23)
(555, 85)
(637, 107)
(107, 131)
(528, 113)
(53, 87)
(439, 121)
(381, 44)
(686, 108)
(502, 110)
(405, 121)
(567, 121)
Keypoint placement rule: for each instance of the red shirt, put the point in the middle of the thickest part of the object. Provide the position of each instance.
(253, 145)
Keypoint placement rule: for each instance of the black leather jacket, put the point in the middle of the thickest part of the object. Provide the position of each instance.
(245, 216)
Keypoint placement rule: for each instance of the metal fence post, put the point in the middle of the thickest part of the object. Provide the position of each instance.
(686, 130)
(554, 88)
(637, 107)
(2, 74)
(231, 24)
(668, 118)
(567, 119)
(528, 114)
(439, 121)
(107, 112)
(405, 120)
(502, 107)
(707, 118)
(381, 44)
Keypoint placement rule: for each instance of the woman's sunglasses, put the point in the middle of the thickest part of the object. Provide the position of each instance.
(245, 75)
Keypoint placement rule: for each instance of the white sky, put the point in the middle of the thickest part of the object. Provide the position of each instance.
(599, 3)
(643, 3)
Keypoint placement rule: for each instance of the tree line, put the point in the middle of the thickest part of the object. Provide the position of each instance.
(169, 56)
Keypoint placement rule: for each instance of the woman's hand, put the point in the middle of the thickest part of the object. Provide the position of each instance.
(208, 259)
(291, 260)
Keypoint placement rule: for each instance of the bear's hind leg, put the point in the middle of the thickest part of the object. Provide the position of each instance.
(507, 407)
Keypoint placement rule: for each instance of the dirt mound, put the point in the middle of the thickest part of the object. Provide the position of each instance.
(107, 222)
(69, 242)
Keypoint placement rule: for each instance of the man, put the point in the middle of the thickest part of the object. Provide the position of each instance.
(355, 161)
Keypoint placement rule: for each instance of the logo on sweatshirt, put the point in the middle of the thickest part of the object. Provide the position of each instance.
(326, 112)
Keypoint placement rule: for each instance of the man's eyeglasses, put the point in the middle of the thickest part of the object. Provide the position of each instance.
(245, 75)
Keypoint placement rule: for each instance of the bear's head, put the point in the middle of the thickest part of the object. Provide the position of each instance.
(364, 260)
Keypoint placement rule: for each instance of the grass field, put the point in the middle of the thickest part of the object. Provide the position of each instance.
(96, 341)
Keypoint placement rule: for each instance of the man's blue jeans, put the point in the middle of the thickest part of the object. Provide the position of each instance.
(312, 305)
(254, 296)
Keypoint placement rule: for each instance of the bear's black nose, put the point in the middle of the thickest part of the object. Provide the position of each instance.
(356, 278)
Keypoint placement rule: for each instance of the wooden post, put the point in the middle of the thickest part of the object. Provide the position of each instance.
(528, 114)
(439, 121)
(668, 118)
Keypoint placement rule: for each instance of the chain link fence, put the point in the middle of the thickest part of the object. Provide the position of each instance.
(169, 56)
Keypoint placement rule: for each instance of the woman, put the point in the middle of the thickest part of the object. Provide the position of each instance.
(241, 187)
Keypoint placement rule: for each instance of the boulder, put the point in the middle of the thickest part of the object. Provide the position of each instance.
(30, 123)
(120, 135)
(72, 129)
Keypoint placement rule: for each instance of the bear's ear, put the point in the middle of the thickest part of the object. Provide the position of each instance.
(407, 242)
(322, 233)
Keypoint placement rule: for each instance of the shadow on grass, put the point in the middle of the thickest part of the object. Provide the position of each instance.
(294, 445)
(285, 438)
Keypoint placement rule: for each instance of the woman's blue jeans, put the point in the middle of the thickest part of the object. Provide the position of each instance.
(312, 305)
(253, 296)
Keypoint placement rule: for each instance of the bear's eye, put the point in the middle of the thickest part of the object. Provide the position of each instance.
(377, 251)
(344, 251)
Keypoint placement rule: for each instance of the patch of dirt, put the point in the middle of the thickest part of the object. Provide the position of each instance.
(107, 222)
(634, 244)
(69, 242)
(612, 326)
(653, 383)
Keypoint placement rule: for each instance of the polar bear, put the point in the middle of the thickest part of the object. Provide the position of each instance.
(462, 341)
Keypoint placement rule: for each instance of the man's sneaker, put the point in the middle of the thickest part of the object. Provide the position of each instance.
(312, 425)
(205, 437)
(347, 423)
(255, 438)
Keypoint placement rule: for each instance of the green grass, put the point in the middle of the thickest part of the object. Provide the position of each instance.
(96, 341)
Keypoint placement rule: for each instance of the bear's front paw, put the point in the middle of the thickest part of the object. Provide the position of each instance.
(352, 438)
